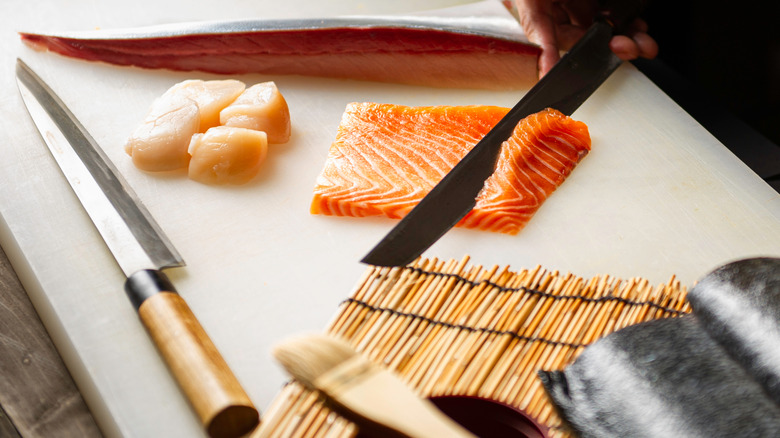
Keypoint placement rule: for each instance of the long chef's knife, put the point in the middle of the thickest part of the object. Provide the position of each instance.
(565, 87)
(141, 249)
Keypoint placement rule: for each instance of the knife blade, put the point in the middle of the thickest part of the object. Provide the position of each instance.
(565, 87)
(142, 250)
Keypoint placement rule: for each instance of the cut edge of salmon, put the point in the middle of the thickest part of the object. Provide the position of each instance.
(541, 153)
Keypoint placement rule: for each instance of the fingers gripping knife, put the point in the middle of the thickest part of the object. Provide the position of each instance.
(141, 250)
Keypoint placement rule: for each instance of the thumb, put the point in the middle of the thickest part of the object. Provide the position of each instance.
(548, 58)
(536, 20)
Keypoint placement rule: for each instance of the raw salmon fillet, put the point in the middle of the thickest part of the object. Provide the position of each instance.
(386, 158)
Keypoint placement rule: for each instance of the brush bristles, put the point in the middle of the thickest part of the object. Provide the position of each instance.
(308, 357)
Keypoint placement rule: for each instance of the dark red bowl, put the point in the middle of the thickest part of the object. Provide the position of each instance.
(487, 418)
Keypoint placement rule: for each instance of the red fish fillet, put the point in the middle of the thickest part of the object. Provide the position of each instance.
(386, 158)
(441, 52)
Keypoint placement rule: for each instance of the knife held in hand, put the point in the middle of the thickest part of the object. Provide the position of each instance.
(565, 87)
(141, 250)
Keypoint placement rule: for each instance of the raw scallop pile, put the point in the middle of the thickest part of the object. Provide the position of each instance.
(219, 130)
(386, 158)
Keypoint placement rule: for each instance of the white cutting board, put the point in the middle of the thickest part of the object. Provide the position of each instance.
(658, 196)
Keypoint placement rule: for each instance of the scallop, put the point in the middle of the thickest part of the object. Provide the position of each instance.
(260, 107)
(227, 155)
(160, 142)
(211, 97)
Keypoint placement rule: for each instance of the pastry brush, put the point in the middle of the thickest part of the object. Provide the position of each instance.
(372, 397)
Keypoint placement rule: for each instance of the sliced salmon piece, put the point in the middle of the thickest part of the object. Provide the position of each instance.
(542, 151)
(386, 158)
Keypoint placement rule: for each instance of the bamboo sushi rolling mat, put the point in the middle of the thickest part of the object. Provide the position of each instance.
(448, 328)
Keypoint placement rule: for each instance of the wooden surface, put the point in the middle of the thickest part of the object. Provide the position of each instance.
(37, 395)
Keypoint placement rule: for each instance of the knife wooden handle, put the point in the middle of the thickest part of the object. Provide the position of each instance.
(220, 402)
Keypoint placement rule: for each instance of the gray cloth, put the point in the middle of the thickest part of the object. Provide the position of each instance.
(710, 374)
(739, 306)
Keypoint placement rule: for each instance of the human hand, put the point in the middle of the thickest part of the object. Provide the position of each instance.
(557, 24)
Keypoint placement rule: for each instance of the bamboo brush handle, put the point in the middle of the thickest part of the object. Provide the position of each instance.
(223, 407)
(381, 404)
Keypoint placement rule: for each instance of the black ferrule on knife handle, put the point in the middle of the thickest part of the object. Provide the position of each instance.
(620, 13)
(146, 283)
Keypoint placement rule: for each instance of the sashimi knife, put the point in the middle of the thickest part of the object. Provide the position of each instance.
(141, 250)
(565, 87)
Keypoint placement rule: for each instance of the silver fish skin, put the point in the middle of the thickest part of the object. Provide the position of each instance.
(480, 45)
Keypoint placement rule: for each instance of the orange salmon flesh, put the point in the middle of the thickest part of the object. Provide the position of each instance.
(386, 158)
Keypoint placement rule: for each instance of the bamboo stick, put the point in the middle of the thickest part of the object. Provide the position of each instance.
(317, 421)
(356, 315)
(431, 361)
(521, 313)
(392, 294)
(302, 418)
(479, 352)
(482, 382)
(489, 362)
(452, 362)
(431, 335)
(278, 411)
(287, 421)
(366, 280)
(422, 332)
(427, 296)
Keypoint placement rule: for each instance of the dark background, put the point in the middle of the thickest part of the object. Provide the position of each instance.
(721, 60)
